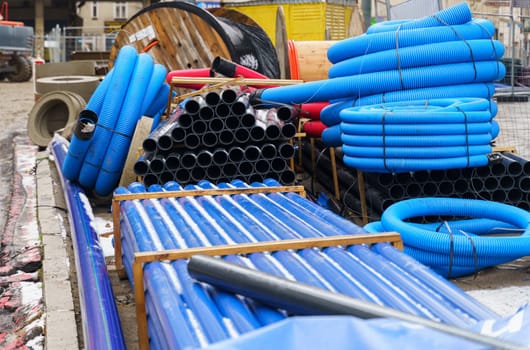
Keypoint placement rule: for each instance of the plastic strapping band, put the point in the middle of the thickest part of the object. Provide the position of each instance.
(113, 131)
(465, 42)
(384, 140)
(475, 255)
(467, 134)
(398, 59)
(491, 40)
(451, 249)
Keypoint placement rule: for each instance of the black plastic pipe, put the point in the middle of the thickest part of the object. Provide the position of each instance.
(257, 133)
(226, 137)
(236, 154)
(525, 163)
(241, 135)
(188, 160)
(209, 139)
(220, 156)
(212, 98)
(232, 122)
(192, 141)
(204, 158)
(206, 112)
(222, 110)
(173, 161)
(178, 134)
(229, 95)
(216, 124)
(286, 113)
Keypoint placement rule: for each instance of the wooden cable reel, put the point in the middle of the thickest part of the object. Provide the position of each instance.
(181, 35)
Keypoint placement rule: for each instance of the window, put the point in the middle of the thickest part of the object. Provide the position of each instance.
(94, 9)
(120, 10)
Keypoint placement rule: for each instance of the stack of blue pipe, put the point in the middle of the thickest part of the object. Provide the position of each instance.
(448, 55)
(183, 313)
(134, 87)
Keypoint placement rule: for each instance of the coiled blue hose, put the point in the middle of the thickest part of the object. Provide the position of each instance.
(455, 252)
(410, 136)
(478, 90)
(457, 14)
(374, 42)
(391, 80)
(420, 55)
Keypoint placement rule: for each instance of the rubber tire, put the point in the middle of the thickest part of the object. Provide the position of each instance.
(23, 69)
(54, 111)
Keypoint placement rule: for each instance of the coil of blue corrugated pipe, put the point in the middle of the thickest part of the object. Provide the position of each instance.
(453, 252)
(373, 42)
(479, 90)
(456, 14)
(420, 55)
(101, 323)
(378, 82)
(146, 81)
(111, 107)
(115, 151)
(410, 136)
(84, 130)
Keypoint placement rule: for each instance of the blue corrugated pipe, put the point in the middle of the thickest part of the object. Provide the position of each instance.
(101, 323)
(409, 136)
(453, 15)
(373, 42)
(356, 86)
(79, 145)
(330, 115)
(119, 141)
(420, 55)
(116, 92)
(458, 253)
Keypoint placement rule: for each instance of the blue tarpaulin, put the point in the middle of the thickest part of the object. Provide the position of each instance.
(346, 332)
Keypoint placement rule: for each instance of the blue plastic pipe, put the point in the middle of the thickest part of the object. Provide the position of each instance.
(469, 253)
(420, 55)
(116, 92)
(101, 323)
(118, 146)
(374, 42)
(79, 146)
(450, 16)
(378, 82)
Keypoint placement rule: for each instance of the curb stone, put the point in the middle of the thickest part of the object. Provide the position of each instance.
(61, 330)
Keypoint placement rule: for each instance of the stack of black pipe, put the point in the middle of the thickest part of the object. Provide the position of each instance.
(219, 137)
(506, 179)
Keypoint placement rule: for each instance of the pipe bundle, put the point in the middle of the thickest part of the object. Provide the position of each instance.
(218, 136)
(98, 150)
(404, 62)
(183, 313)
(506, 179)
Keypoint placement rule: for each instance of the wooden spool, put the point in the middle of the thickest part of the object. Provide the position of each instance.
(181, 35)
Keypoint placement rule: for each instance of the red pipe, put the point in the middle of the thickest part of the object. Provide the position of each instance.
(189, 73)
(314, 128)
(233, 70)
(311, 110)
